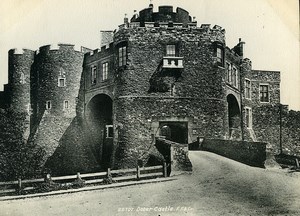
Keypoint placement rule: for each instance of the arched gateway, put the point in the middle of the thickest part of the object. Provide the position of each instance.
(234, 117)
(99, 123)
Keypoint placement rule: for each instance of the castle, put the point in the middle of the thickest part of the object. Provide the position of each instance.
(157, 74)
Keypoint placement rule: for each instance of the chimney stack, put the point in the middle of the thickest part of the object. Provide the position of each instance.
(106, 38)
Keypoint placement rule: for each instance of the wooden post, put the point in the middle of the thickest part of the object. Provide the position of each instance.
(165, 169)
(297, 163)
(19, 184)
(47, 178)
(108, 172)
(78, 176)
(138, 172)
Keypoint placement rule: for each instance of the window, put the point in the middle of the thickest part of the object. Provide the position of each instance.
(247, 89)
(171, 50)
(48, 105)
(66, 104)
(228, 74)
(219, 55)
(122, 56)
(232, 75)
(248, 117)
(61, 82)
(264, 93)
(93, 74)
(104, 71)
(109, 131)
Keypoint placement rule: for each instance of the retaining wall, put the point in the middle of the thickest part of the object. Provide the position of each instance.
(250, 153)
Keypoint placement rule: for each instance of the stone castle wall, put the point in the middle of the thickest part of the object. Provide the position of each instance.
(51, 64)
(141, 96)
(199, 90)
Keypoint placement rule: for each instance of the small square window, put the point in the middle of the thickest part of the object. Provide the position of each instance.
(61, 82)
(109, 131)
(264, 93)
(48, 105)
(66, 104)
(171, 50)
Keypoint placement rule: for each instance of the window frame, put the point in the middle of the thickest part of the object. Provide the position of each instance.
(171, 50)
(249, 122)
(234, 76)
(107, 131)
(268, 92)
(248, 89)
(228, 71)
(93, 74)
(219, 53)
(105, 71)
(64, 82)
(48, 104)
(64, 105)
(122, 56)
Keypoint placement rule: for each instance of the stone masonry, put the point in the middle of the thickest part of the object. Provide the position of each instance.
(158, 74)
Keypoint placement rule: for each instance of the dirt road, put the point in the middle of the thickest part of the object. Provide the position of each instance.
(217, 186)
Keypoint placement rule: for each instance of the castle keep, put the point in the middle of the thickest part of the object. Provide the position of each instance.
(158, 74)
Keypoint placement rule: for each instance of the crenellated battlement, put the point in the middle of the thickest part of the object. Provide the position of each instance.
(178, 30)
(100, 52)
(59, 46)
(20, 51)
(172, 26)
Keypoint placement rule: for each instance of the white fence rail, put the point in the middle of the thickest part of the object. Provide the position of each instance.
(110, 176)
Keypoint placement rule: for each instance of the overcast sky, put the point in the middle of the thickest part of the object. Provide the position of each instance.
(270, 29)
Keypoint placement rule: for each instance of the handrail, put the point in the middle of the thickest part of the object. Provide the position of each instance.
(99, 177)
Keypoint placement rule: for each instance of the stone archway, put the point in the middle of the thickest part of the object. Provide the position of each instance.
(234, 117)
(99, 125)
(174, 131)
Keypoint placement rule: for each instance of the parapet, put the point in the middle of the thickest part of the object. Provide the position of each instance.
(59, 46)
(172, 25)
(100, 52)
(19, 51)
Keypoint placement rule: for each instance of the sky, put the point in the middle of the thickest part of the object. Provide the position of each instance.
(270, 29)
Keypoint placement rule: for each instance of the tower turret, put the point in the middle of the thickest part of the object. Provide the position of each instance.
(19, 67)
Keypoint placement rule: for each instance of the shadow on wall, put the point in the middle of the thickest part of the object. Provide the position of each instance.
(74, 154)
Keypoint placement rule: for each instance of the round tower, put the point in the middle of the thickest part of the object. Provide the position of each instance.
(57, 73)
(169, 73)
(19, 68)
(56, 81)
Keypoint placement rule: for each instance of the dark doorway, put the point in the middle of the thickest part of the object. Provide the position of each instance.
(100, 128)
(174, 131)
(234, 115)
